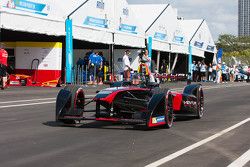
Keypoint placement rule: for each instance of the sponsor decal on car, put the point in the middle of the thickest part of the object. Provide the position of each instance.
(156, 120)
(189, 103)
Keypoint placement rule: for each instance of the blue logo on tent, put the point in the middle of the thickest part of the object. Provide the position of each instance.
(29, 5)
(178, 39)
(97, 22)
(125, 11)
(100, 4)
(198, 44)
(210, 48)
(128, 28)
(160, 36)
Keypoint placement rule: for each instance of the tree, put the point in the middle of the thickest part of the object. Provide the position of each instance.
(234, 48)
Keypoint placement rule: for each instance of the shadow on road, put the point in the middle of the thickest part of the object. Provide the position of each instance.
(101, 125)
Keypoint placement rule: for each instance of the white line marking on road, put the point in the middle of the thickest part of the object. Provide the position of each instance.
(19, 101)
(195, 145)
(241, 161)
(29, 104)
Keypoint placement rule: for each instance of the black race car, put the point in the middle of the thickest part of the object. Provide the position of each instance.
(124, 103)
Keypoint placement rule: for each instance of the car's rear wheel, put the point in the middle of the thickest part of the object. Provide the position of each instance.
(200, 104)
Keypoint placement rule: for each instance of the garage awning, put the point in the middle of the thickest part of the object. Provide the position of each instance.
(159, 22)
(199, 36)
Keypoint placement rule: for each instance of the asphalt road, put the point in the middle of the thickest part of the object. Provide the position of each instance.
(29, 136)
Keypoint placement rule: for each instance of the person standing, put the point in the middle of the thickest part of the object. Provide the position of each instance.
(126, 65)
(195, 71)
(210, 70)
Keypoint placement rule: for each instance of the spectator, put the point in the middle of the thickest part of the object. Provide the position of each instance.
(198, 71)
(203, 72)
(224, 72)
(164, 67)
(231, 73)
(126, 65)
(218, 73)
(95, 63)
(195, 71)
(210, 70)
(214, 67)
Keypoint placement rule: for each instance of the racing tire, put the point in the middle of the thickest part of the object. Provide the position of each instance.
(169, 113)
(75, 104)
(169, 118)
(200, 103)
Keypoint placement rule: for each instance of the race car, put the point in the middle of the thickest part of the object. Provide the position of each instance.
(123, 102)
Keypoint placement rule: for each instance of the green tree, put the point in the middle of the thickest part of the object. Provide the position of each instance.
(234, 48)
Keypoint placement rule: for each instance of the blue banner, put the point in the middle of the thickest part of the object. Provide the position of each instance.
(97, 22)
(190, 60)
(69, 51)
(128, 28)
(178, 39)
(150, 44)
(198, 44)
(28, 6)
(210, 48)
(160, 36)
(219, 55)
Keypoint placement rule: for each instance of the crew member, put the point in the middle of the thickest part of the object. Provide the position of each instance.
(126, 65)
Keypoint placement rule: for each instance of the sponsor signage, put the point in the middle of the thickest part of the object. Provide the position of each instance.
(128, 28)
(97, 22)
(160, 36)
(198, 44)
(28, 6)
(156, 120)
(178, 39)
(210, 48)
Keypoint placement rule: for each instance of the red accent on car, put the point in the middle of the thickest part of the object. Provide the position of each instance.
(177, 102)
(108, 119)
(110, 98)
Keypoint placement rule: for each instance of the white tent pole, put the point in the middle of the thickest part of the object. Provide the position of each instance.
(158, 60)
(169, 62)
(175, 61)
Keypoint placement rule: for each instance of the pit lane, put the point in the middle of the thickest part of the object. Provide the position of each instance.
(29, 135)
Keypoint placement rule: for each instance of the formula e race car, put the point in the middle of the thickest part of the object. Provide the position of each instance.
(148, 105)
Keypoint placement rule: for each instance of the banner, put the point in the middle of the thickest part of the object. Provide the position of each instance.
(69, 50)
(34, 7)
(219, 55)
(160, 36)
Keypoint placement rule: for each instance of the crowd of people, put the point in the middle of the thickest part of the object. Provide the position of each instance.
(218, 73)
(94, 63)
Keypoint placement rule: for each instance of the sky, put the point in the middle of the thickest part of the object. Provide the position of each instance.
(220, 15)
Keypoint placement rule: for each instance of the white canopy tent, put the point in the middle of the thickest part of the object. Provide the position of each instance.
(40, 16)
(96, 21)
(127, 28)
(159, 22)
(199, 36)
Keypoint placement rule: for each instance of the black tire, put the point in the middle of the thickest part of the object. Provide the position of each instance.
(169, 118)
(200, 103)
(169, 113)
(75, 106)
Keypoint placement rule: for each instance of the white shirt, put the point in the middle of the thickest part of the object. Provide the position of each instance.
(126, 62)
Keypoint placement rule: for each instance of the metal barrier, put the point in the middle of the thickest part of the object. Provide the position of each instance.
(81, 75)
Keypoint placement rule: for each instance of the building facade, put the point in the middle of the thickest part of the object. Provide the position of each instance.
(244, 17)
